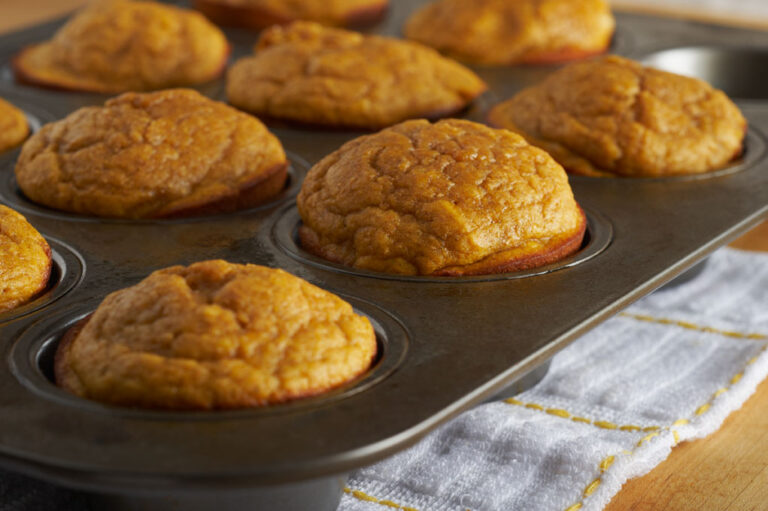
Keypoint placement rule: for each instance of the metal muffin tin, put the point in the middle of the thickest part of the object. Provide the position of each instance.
(446, 343)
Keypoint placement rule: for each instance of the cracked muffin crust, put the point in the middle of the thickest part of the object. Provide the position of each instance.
(13, 126)
(612, 116)
(119, 46)
(503, 32)
(152, 155)
(450, 198)
(311, 74)
(25, 260)
(215, 335)
(264, 13)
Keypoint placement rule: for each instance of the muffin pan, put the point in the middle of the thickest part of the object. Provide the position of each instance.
(448, 343)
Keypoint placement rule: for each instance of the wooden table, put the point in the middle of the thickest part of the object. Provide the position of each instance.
(727, 471)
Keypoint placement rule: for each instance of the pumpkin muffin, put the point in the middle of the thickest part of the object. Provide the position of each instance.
(13, 126)
(612, 116)
(451, 198)
(503, 32)
(25, 260)
(215, 335)
(119, 46)
(264, 13)
(315, 75)
(152, 155)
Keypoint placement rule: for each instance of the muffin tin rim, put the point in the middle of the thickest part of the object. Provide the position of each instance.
(753, 152)
(68, 266)
(11, 194)
(284, 224)
(32, 343)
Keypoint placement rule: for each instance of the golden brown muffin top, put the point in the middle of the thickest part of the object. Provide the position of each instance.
(612, 115)
(501, 32)
(146, 155)
(120, 45)
(421, 198)
(313, 74)
(215, 335)
(25, 260)
(13, 126)
(327, 12)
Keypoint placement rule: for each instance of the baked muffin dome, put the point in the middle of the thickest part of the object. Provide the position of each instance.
(264, 13)
(159, 154)
(503, 32)
(311, 74)
(13, 126)
(451, 198)
(120, 46)
(215, 335)
(612, 116)
(25, 260)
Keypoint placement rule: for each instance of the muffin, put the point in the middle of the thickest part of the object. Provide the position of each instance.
(25, 260)
(13, 126)
(503, 32)
(451, 198)
(613, 117)
(311, 74)
(264, 13)
(152, 155)
(119, 46)
(215, 335)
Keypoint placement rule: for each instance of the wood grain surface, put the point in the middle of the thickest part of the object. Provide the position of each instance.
(727, 471)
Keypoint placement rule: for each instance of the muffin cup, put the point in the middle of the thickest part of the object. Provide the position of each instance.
(282, 183)
(66, 273)
(736, 70)
(597, 235)
(37, 361)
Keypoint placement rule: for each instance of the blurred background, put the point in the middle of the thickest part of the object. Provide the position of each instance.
(748, 13)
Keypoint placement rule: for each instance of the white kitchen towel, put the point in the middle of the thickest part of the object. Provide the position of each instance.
(613, 404)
